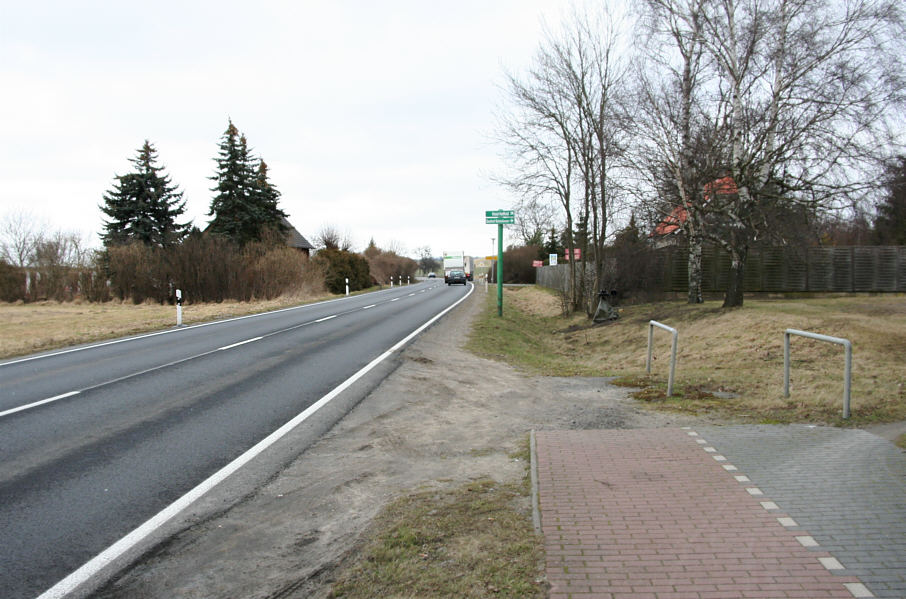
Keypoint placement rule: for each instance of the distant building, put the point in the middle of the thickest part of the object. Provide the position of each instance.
(294, 239)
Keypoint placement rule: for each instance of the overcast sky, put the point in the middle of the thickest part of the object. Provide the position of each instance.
(374, 117)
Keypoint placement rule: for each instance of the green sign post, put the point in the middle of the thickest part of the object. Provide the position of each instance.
(500, 218)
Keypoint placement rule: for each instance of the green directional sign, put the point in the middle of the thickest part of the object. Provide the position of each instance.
(500, 217)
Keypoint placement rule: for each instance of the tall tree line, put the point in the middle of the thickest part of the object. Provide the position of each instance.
(748, 115)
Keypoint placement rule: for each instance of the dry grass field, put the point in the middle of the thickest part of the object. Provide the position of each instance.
(28, 328)
(729, 361)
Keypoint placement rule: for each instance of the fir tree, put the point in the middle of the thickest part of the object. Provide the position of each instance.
(267, 196)
(890, 224)
(144, 205)
(245, 205)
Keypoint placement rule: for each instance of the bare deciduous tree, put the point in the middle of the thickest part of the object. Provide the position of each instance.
(791, 100)
(810, 90)
(565, 131)
(672, 146)
(330, 238)
(20, 234)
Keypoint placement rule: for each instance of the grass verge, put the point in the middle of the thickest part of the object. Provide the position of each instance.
(729, 362)
(473, 541)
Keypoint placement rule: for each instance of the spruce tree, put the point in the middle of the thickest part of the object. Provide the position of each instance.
(245, 202)
(890, 224)
(144, 205)
(267, 197)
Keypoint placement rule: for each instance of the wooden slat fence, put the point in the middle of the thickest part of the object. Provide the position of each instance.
(777, 269)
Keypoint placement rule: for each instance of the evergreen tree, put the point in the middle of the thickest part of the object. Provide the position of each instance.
(144, 205)
(245, 205)
(890, 224)
(267, 196)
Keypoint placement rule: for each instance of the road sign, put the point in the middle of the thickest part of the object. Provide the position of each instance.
(500, 217)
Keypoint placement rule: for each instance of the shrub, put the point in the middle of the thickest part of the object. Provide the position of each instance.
(339, 265)
(12, 283)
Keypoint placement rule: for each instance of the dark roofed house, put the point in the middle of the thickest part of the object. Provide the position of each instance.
(294, 239)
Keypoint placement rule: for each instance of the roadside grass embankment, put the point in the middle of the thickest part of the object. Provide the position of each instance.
(729, 361)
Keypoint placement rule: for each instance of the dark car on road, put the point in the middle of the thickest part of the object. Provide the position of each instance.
(455, 276)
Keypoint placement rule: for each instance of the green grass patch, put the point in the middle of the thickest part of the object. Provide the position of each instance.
(522, 340)
(473, 541)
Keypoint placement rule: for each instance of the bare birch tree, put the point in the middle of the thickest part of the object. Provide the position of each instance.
(811, 89)
(675, 145)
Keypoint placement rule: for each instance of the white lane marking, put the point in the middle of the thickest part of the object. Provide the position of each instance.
(38, 403)
(162, 366)
(169, 331)
(371, 306)
(396, 299)
(240, 343)
(769, 505)
(411, 294)
(97, 563)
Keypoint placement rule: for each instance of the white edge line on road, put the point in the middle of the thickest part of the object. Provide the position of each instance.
(38, 403)
(241, 343)
(97, 563)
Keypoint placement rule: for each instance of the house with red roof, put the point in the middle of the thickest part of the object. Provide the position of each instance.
(670, 229)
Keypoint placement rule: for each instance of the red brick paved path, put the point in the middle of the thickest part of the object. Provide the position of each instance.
(650, 514)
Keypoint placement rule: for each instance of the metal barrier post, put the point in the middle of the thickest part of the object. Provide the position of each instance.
(847, 362)
(651, 325)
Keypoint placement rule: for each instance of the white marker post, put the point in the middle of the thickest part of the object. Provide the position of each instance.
(347, 286)
(179, 307)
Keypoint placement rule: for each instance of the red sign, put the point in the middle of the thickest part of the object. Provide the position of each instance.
(576, 252)
(537, 263)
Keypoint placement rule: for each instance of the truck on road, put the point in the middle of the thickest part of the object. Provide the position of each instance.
(453, 261)
(468, 266)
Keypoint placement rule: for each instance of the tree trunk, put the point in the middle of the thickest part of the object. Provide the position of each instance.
(694, 261)
(735, 286)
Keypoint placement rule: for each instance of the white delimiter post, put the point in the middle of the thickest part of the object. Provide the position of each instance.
(179, 307)
(347, 285)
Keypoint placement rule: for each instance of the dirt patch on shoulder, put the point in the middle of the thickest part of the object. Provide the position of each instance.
(443, 418)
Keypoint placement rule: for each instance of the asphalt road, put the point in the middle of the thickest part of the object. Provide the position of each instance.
(96, 440)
